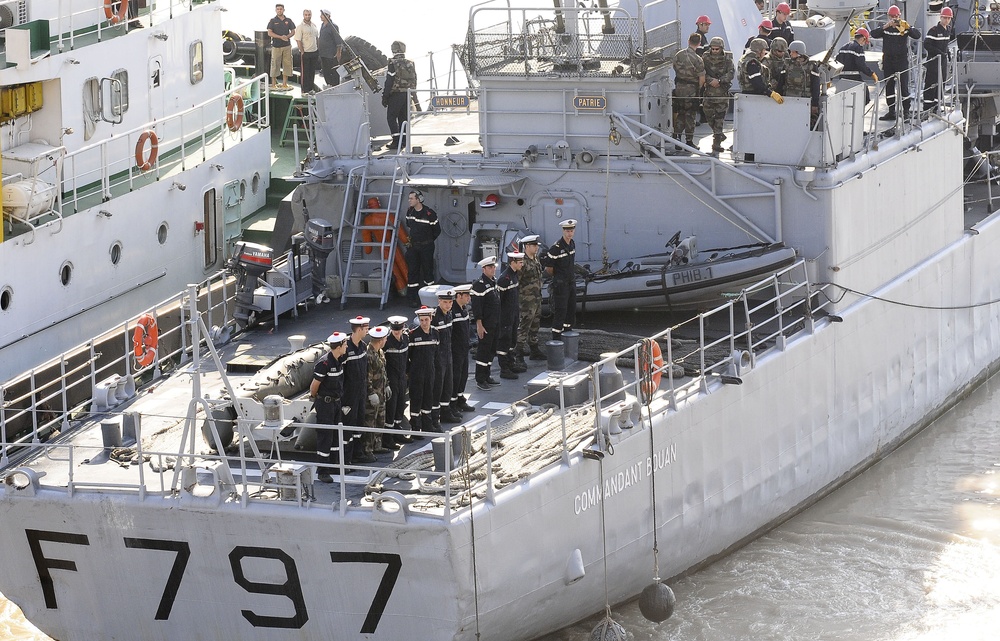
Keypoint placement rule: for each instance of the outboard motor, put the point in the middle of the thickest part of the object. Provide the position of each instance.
(320, 239)
(250, 261)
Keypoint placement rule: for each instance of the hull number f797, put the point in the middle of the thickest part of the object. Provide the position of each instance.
(290, 588)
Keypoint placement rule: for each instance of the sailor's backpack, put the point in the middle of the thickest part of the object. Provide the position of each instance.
(406, 75)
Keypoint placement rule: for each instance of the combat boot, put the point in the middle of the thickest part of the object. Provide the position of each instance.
(537, 354)
(434, 424)
(390, 442)
(717, 142)
(449, 415)
(462, 405)
(690, 142)
(415, 426)
(509, 374)
(519, 365)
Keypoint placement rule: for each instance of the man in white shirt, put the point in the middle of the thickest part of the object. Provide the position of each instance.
(307, 40)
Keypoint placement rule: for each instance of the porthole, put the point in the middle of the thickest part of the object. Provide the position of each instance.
(161, 233)
(243, 190)
(66, 273)
(6, 296)
(116, 253)
(255, 183)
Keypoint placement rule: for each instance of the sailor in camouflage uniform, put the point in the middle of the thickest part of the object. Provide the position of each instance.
(753, 75)
(776, 62)
(400, 77)
(530, 297)
(719, 74)
(802, 79)
(378, 391)
(690, 70)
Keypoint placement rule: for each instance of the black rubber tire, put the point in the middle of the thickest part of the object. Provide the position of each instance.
(230, 53)
(371, 55)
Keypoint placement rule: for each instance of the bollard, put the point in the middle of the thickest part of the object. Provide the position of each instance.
(555, 355)
(572, 344)
(611, 379)
(111, 433)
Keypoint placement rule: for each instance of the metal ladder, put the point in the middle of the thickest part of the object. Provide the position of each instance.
(373, 246)
(299, 114)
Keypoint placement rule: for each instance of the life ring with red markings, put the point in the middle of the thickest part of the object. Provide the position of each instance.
(115, 17)
(234, 112)
(145, 339)
(143, 160)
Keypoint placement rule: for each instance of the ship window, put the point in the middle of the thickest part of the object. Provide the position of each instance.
(66, 273)
(161, 233)
(116, 253)
(5, 297)
(119, 96)
(209, 212)
(255, 183)
(197, 56)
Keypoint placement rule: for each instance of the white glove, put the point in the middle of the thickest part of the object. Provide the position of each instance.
(346, 410)
(388, 393)
(373, 399)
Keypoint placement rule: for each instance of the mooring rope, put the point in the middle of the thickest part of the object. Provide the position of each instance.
(647, 398)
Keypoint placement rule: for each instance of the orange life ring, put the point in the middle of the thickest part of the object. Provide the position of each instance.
(234, 112)
(145, 339)
(142, 161)
(651, 368)
(109, 11)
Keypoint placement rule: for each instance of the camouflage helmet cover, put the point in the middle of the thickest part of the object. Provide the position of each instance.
(398, 47)
(779, 44)
(758, 45)
(717, 42)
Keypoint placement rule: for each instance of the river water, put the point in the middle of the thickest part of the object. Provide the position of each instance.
(908, 551)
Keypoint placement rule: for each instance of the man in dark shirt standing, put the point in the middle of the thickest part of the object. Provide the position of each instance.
(327, 390)
(355, 363)
(331, 49)
(423, 228)
(936, 45)
(281, 30)
(460, 332)
(423, 363)
(896, 59)
(560, 264)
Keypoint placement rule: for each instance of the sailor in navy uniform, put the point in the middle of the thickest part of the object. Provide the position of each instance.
(510, 313)
(396, 350)
(560, 264)
(486, 310)
(423, 228)
(327, 390)
(423, 363)
(896, 58)
(443, 373)
(460, 333)
(355, 364)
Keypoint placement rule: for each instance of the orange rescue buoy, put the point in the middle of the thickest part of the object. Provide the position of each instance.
(145, 339)
(651, 368)
(234, 112)
(109, 11)
(143, 160)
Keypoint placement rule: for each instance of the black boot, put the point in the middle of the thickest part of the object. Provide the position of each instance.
(507, 373)
(462, 405)
(537, 354)
(519, 365)
(449, 415)
(434, 423)
(415, 423)
(889, 115)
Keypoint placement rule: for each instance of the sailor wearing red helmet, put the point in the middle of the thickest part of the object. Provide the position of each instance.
(852, 56)
(703, 23)
(895, 58)
(936, 45)
(781, 27)
(763, 32)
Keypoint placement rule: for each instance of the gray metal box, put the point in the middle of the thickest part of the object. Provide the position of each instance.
(544, 389)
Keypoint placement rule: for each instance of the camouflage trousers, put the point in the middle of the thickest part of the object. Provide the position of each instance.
(527, 328)
(374, 417)
(686, 105)
(715, 112)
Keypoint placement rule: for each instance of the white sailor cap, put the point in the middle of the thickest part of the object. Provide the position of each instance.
(397, 322)
(515, 255)
(486, 262)
(530, 240)
(360, 320)
(379, 331)
(425, 311)
(446, 294)
(568, 224)
(336, 338)
(463, 289)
